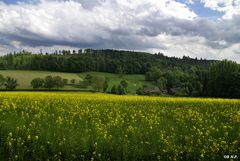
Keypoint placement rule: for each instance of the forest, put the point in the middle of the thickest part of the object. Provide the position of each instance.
(169, 75)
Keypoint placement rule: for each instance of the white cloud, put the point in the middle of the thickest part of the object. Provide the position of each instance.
(150, 25)
(195, 47)
(68, 20)
(228, 7)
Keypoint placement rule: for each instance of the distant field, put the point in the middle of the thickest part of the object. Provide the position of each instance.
(94, 126)
(25, 77)
(135, 81)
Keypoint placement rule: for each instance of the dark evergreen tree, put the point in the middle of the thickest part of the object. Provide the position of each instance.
(105, 85)
(10, 83)
(121, 90)
(114, 89)
(2, 80)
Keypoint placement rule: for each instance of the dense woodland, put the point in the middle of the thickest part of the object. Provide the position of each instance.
(111, 61)
(169, 75)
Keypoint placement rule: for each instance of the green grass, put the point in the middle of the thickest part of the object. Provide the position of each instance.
(134, 81)
(24, 78)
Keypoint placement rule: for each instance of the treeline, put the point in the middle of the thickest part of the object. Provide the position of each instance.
(111, 61)
(49, 82)
(101, 84)
(90, 82)
(221, 79)
(168, 75)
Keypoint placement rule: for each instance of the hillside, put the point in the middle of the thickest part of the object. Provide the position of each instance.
(135, 81)
(25, 77)
(144, 73)
(110, 61)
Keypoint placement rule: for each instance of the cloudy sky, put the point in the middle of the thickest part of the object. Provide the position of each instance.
(197, 28)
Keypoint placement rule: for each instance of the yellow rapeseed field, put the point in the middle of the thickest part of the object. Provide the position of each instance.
(86, 126)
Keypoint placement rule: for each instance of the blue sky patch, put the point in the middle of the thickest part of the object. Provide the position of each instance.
(202, 11)
(21, 1)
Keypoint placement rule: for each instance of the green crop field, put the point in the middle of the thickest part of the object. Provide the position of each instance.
(85, 126)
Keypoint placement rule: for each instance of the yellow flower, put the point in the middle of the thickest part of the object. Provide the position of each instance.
(29, 137)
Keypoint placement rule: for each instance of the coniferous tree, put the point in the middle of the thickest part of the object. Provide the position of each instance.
(121, 90)
(105, 86)
(114, 89)
(10, 83)
(2, 80)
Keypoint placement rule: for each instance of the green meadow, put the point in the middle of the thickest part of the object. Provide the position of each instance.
(25, 77)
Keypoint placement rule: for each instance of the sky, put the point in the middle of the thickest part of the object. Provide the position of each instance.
(197, 28)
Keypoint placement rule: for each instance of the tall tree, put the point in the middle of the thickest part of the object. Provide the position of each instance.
(98, 83)
(223, 76)
(153, 74)
(49, 82)
(105, 85)
(10, 83)
(121, 90)
(2, 80)
(114, 89)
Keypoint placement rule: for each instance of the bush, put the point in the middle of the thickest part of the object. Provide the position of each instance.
(148, 91)
(89, 79)
(65, 81)
(54, 82)
(83, 84)
(121, 90)
(124, 84)
(37, 83)
(73, 81)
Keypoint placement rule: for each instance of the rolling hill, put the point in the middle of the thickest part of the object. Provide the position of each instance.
(24, 78)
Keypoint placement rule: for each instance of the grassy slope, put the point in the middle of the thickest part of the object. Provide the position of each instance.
(135, 81)
(24, 78)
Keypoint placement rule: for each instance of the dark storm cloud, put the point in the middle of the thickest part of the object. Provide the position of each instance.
(213, 31)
